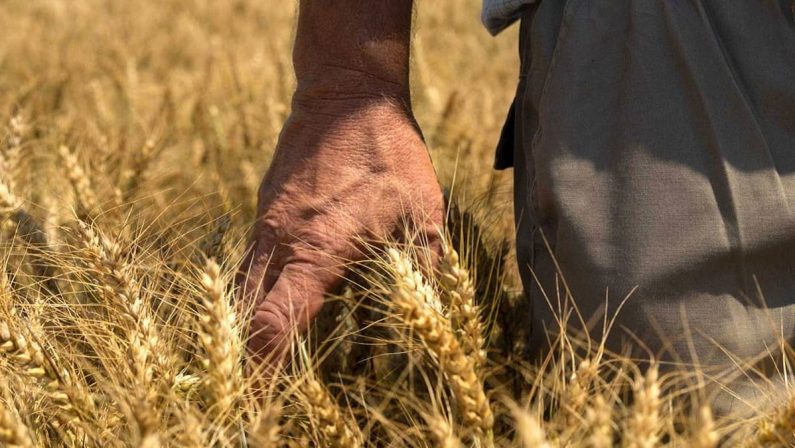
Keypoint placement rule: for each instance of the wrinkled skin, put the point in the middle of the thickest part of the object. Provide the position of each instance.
(345, 172)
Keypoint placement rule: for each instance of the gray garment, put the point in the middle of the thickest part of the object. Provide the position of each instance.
(500, 14)
(654, 147)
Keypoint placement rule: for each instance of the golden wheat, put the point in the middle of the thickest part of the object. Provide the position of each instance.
(457, 287)
(13, 432)
(776, 428)
(75, 406)
(642, 429)
(81, 183)
(411, 298)
(148, 356)
(327, 419)
(598, 421)
(531, 433)
(220, 337)
(135, 135)
(703, 432)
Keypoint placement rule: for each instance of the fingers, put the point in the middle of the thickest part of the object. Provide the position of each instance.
(431, 252)
(427, 227)
(257, 274)
(294, 300)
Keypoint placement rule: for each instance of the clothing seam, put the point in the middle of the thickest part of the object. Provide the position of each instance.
(553, 62)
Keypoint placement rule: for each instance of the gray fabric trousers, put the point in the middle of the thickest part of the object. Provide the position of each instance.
(654, 151)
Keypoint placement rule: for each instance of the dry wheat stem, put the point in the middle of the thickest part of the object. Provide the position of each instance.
(73, 403)
(11, 155)
(598, 421)
(265, 429)
(76, 405)
(81, 183)
(465, 314)
(147, 354)
(703, 434)
(9, 202)
(212, 244)
(326, 418)
(775, 429)
(133, 176)
(442, 432)
(643, 425)
(530, 429)
(13, 432)
(410, 298)
(575, 396)
(220, 337)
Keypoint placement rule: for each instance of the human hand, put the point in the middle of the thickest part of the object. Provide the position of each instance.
(346, 172)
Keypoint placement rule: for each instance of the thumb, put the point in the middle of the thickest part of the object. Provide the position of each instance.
(295, 299)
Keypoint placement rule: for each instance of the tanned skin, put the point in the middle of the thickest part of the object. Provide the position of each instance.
(350, 166)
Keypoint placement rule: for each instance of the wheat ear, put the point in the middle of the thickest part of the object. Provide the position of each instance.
(134, 175)
(529, 428)
(326, 418)
(703, 434)
(776, 428)
(76, 406)
(81, 184)
(410, 298)
(643, 425)
(265, 430)
(465, 314)
(574, 398)
(442, 433)
(220, 337)
(212, 244)
(598, 421)
(13, 433)
(147, 356)
(9, 202)
(11, 155)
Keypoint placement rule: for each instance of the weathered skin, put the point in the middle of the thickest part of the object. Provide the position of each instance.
(350, 166)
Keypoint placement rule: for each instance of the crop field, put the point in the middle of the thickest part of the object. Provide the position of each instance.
(133, 137)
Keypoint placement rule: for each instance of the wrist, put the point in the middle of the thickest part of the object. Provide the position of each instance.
(347, 49)
(351, 87)
(349, 92)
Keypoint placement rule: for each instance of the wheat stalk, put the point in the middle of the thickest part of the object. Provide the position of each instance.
(441, 431)
(81, 183)
(13, 432)
(11, 155)
(148, 358)
(220, 337)
(642, 428)
(703, 434)
(186, 384)
(76, 405)
(776, 428)
(9, 202)
(326, 418)
(265, 429)
(459, 291)
(410, 298)
(575, 397)
(140, 162)
(598, 421)
(212, 244)
(73, 403)
(529, 428)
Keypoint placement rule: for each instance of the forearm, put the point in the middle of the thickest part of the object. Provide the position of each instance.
(353, 49)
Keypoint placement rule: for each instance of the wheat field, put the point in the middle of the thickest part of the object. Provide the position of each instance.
(134, 136)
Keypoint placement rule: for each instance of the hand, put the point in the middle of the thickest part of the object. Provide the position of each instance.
(346, 172)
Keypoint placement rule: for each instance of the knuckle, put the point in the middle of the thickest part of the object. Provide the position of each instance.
(269, 322)
(272, 227)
